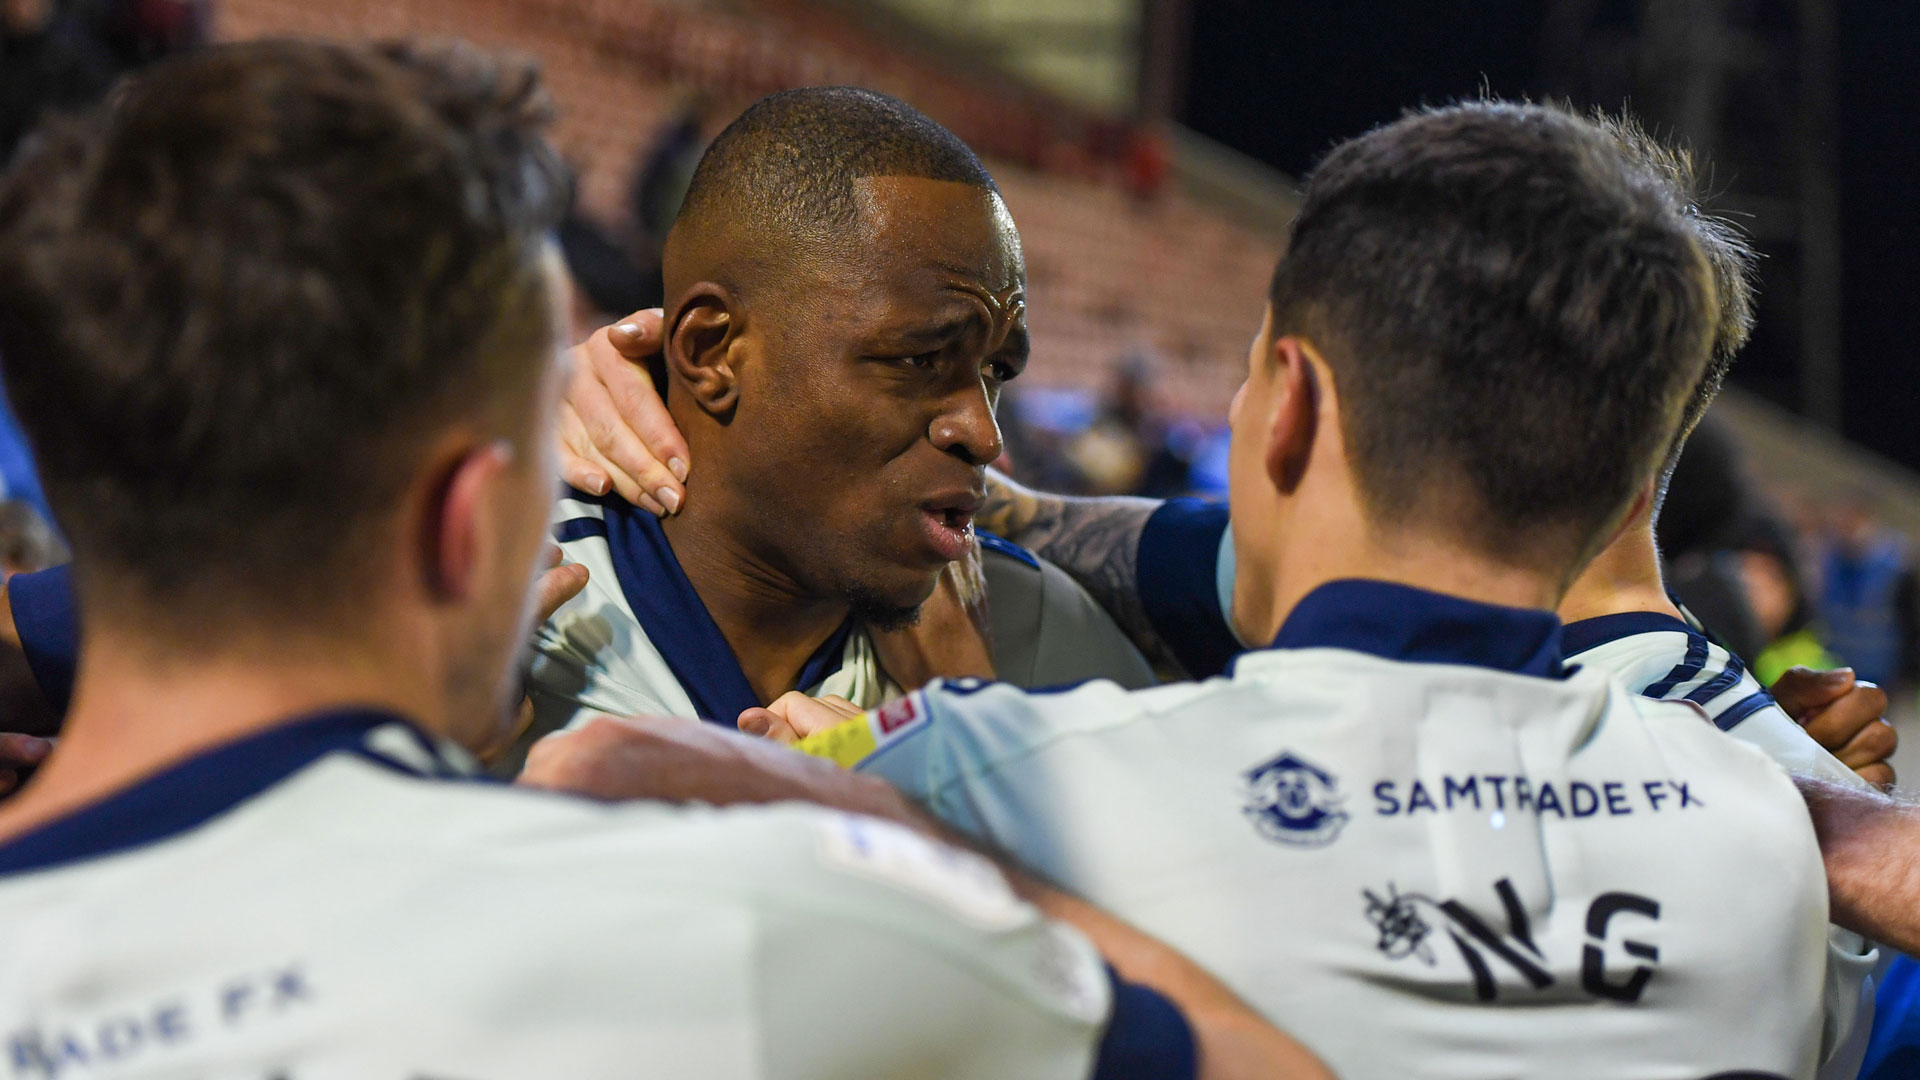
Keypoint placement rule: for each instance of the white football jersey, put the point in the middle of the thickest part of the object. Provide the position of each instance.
(1659, 656)
(638, 641)
(1416, 843)
(329, 901)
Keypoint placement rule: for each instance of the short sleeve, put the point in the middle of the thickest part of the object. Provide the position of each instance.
(1182, 548)
(48, 622)
(917, 948)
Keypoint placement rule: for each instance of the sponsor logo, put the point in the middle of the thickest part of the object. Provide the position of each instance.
(895, 715)
(1291, 801)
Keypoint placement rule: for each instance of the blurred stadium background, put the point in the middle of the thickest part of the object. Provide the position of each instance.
(1148, 149)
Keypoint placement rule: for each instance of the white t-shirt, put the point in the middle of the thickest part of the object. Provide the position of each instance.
(331, 900)
(1659, 656)
(1415, 843)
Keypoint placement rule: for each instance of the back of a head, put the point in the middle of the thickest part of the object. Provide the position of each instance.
(1514, 313)
(237, 302)
(780, 178)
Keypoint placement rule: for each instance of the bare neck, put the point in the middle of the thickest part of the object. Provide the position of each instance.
(772, 622)
(137, 710)
(1624, 577)
(1344, 546)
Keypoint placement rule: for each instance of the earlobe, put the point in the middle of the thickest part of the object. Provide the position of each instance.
(456, 522)
(699, 341)
(1296, 414)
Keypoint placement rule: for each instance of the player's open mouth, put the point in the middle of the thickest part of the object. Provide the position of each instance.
(949, 524)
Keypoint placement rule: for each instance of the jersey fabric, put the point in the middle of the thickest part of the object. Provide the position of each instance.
(638, 639)
(1415, 842)
(330, 901)
(1659, 656)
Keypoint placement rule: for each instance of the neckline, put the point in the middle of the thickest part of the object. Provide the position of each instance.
(191, 792)
(1406, 623)
(678, 623)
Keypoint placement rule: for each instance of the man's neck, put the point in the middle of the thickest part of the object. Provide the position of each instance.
(136, 711)
(772, 623)
(1624, 577)
(1351, 549)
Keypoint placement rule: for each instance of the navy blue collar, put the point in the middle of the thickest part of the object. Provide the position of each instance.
(193, 792)
(1584, 634)
(1400, 622)
(678, 624)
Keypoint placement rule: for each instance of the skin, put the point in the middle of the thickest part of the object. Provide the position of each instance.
(878, 389)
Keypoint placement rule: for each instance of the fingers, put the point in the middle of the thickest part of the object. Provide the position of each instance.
(1880, 775)
(1803, 690)
(23, 751)
(557, 586)
(622, 415)
(766, 724)
(1859, 708)
(809, 716)
(1873, 745)
(593, 435)
(9, 779)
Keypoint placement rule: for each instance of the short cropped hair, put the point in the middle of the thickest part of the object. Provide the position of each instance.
(238, 299)
(1513, 312)
(1729, 257)
(785, 168)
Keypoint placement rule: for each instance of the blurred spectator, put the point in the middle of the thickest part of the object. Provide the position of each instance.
(607, 285)
(667, 168)
(51, 57)
(1869, 594)
(1707, 497)
(1764, 556)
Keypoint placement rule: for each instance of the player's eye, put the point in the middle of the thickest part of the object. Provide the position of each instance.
(1001, 371)
(922, 360)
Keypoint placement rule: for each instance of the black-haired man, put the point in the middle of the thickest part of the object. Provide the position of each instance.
(304, 560)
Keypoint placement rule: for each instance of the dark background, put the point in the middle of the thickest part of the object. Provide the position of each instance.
(1282, 81)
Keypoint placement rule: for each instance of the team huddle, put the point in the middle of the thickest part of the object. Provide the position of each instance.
(833, 752)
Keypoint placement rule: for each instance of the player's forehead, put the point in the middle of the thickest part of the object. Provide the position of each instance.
(939, 230)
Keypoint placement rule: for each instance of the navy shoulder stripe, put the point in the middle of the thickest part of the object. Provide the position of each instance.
(1720, 683)
(568, 531)
(1687, 668)
(990, 542)
(1730, 718)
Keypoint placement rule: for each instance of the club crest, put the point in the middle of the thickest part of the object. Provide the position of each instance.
(1293, 802)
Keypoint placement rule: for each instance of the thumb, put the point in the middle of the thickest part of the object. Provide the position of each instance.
(557, 586)
(1802, 691)
(637, 336)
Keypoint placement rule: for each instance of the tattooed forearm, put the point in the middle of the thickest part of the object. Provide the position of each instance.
(1095, 540)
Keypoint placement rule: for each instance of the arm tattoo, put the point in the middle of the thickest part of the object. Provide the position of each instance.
(1095, 540)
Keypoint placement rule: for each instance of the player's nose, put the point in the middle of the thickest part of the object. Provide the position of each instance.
(967, 428)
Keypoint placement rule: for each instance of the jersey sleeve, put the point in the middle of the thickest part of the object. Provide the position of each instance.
(920, 960)
(1186, 583)
(48, 622)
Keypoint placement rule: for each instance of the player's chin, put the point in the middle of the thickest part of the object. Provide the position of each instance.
(890, 599)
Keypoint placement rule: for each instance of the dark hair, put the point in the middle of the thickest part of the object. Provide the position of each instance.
(238, 299)
(1513, 312)
(785, 167)
(1729, 258)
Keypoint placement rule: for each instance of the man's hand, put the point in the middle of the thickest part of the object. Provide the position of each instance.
(794, 716)
(19, 756)
(615, 432)
(557, 585)
(687, 760)
(950, 639)
(1844, 715)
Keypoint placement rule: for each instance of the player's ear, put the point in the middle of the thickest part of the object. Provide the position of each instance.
(1296, 414)
(457, 534)
(700, 340)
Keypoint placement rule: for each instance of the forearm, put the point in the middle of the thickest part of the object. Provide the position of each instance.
(1871, 846)
(1095, 540)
